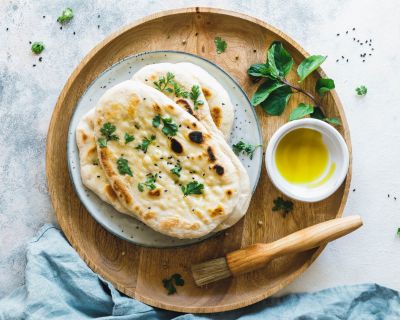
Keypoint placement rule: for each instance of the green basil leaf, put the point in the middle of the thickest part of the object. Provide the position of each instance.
(308, 65)
(324, 85)
(264, 91)
(276, 102)
(301, 111)
(318, 114)
(259, 70)
(334, 121)
(279, 60)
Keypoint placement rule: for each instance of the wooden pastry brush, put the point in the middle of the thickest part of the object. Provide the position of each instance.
(259, 255)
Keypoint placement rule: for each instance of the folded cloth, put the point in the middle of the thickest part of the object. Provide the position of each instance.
(59, 285)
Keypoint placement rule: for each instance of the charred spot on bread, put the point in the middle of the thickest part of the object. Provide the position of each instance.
(216, 115)
(196, 136)
(211, 155)
(84, 137)
(183, 103)
(156, 108)
(228, 192)
(110, 192)
(176, 146)
(207, 93)
(154, 193)
(121, 190)
(149, 215)
(218, 211)
(219, 169)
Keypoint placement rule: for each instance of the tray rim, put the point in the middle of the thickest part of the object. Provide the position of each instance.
(57, 108)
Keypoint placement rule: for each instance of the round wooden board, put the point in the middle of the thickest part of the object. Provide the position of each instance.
(137, 271)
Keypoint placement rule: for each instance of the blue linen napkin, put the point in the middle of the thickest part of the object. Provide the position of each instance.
(59, 285)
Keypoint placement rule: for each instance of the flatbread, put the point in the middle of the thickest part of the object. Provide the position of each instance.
(218, 112)
(203, 155)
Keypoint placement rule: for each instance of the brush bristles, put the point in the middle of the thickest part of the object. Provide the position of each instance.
(210, 271)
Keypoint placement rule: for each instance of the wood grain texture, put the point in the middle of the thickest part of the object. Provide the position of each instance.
(138, 271)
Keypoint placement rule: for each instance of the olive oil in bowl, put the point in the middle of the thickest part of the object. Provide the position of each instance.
(307, 159)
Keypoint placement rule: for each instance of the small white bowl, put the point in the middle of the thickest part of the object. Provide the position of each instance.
(338, 154)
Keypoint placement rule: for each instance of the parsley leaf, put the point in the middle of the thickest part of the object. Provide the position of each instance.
(123, 167)
(163, 83)
(66, 15)
(102, 142)
(193, 188)
(194, 95)
(179, 91)
(176, 170)
(169, 283)
(128, 138)
(140, 187)
(149, 183)
(37, 47)
(285, 206)
(156, 121)
(170, 129)
(145, 143)
(243, 147)
(220, 44)
(107, 131)
(361, 90)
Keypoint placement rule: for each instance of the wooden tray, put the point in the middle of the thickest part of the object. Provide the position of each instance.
(138, 271)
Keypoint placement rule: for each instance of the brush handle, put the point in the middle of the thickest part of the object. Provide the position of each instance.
(258, 255)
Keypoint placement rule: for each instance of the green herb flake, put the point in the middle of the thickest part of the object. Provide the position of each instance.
(156, 121)
(170, 283)
(107, 131)
(140, 187)
(193, 187)
(243, 147)
(123, 167)
(308, 65)
(398, 232)
(280, 61)
(179, 91)
(361, 90)
(194, 95)
(220, 45)
(128, 138)
(176, 170)
(37, 47)
(285, 206)
(163, 83)
(170, 128)
(102, 142)
(145, 143)
(66, 15)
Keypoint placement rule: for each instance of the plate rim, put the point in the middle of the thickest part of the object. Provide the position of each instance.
(73, 138)
(52, 137)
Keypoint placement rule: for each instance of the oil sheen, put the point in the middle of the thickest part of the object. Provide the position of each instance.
(302, 157)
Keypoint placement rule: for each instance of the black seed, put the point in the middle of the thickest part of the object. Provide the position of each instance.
(98, 26)
(254, 50)
(40, 59)
(347, 60)
(60, 28)
(338, 34)
(44, 17)
(34, 65)
(337, 60)
(347, 32)
(30, 42)
(74, 33)
(354, 29)
(98, 16)
(196, 136)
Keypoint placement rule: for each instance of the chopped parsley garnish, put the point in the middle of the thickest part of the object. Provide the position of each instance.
(243, 147)
(102, 142)
(398, 232)
(163, 83)
(177, 170)
(179, 91)
(175, 280)
(149, 183)
(37, 47)
(220, 44)
(193, 188)
(128, 138)
(145, 143)
(107, 131)
(194, 95)
(285, 206)
(123, 167)
(170, 129)
(361, 90)
(66, 15)
(156, 121)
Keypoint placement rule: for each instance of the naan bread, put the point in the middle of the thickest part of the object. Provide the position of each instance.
(217, 112)
(203, 155)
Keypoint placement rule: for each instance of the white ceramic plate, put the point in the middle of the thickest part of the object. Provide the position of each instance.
(245, 128)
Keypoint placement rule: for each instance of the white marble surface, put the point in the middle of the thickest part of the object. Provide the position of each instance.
(28, 95)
